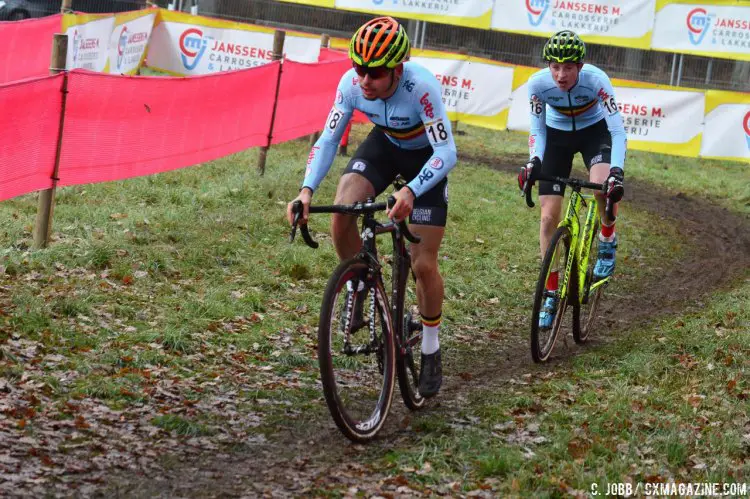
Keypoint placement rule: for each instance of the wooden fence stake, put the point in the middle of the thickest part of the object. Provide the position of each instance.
(278, 52)
(43, 226)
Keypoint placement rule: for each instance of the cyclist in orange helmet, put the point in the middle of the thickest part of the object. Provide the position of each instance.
(412, 137)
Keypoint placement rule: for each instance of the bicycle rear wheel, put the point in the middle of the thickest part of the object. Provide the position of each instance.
(409, 358)
(587, 306)
(357, 366)
(555, 260)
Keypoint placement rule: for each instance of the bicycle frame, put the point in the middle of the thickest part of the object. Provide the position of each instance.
(400, 266)
(580, 239)
(580, 243)
(401, 262)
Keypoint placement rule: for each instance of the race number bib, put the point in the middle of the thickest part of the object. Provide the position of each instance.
(536, 105)
(610, 105)
(334, 119)
(436, 133)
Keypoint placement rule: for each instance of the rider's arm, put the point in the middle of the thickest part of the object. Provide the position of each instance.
(538, 126)
(614, 121)
(437, 126)
(324, 151)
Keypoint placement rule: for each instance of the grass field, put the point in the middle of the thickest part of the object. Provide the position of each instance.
(170, 312)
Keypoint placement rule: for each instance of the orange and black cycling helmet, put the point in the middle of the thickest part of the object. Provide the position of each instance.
(380, 42)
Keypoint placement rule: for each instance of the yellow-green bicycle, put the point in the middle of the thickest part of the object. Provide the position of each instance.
(571, 252)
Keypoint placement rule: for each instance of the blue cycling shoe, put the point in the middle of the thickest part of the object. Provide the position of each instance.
(605, 263)
(547, 315)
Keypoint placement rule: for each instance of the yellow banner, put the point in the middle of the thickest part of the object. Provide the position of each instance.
(316, 3)
(211, 22)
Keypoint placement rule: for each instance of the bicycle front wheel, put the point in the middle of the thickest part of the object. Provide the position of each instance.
(356, 350)
(587, 305)
(555, 260)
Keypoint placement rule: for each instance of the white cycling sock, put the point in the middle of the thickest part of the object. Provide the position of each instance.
(430, 330)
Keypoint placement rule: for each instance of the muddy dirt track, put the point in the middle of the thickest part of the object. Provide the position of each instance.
(301, 456)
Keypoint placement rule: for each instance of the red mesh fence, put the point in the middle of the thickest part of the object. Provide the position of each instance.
(119, 127)
(332, 55)
(306, 94)
(26, 47)
(29, 121)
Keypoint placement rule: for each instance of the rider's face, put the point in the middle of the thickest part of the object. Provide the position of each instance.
(565, 74)
(380, 86)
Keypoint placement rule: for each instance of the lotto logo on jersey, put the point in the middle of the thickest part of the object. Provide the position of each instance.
(436, 163)
(536, 9)
(312, 154)
(427, 106)
(698, 24)
(746, 125)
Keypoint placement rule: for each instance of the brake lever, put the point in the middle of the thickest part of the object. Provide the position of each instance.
(402, 227)
(297, 209)
(527, 193)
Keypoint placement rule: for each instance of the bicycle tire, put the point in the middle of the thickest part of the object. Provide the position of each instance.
(361, 414)
(408, 358)
(541, 352)
(586, 307)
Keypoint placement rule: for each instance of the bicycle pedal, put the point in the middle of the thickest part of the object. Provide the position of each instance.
(415, 326)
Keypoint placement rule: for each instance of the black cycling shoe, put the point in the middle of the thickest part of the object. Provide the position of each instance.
(430, 374)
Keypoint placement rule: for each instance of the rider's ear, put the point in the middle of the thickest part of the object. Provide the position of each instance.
(399, 70)
(580, 65)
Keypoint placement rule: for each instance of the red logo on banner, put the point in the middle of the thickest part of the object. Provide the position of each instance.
(188, 43)
(531, 9)
(696, 20)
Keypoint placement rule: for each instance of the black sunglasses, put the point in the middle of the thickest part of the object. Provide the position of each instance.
(375, 73)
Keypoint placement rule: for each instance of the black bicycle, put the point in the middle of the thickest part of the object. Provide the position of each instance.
(365, 342)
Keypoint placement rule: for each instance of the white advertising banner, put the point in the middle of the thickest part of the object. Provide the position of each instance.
(727, 132)
(471, 87)
(472, 13)
(518, 117)
(665, 116)
(193, 45)
(88, 41)
(614, 22)
(711, 30)
(662, 118)
(128, 42)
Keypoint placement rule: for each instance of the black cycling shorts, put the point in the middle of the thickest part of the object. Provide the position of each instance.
(593, 142)
(380, 161)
